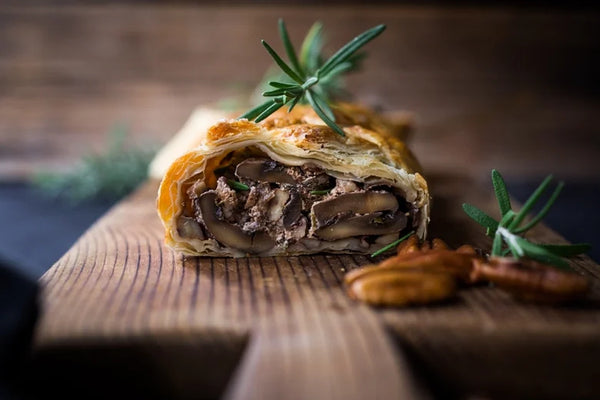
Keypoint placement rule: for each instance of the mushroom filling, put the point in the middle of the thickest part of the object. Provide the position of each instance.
(260, 203)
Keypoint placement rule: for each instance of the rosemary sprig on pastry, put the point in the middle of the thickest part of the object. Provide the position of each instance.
(310, 58)
(309, 76)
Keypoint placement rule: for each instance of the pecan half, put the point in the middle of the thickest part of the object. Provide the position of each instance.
(531, 281)
(459, 265)
(410, 246)
(396, 288)
(467, 249)
(434, 256)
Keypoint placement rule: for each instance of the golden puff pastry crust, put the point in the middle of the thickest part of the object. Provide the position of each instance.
(371, 151)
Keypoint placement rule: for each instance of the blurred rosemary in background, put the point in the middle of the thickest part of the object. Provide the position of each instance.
(106, 176)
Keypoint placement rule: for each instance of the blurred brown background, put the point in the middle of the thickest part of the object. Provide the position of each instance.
(509, 87)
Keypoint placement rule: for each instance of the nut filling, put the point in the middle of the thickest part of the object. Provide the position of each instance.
(277, 205)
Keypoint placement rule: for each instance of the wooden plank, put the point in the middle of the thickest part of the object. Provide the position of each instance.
(289, 320)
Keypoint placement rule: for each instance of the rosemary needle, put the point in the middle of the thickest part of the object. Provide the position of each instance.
(393, 244)
(237, 185)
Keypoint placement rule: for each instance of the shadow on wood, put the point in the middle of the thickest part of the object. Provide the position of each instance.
(181, 367)
(496, 365)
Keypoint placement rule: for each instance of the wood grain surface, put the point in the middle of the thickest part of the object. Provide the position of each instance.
(272, 328)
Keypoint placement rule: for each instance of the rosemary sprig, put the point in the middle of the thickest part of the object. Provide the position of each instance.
(506, 231)
(310, 60)
(309, 75)
(237, 185)
(392, 245)
(106, 176)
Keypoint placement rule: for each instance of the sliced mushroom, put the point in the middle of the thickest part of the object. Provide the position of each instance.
(372, 224)
(277, 204)
(263, 170)
(188, 227)
(318, 182)
(359, 203)
(228, 234)
(296, 231)
(377, 183)
(293, 209)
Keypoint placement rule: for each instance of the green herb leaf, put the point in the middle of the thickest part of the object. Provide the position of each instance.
(544, 210)
(338, 70)
(566, 250)
(237, 185)
(350, 48)
(293, 104)
(322, 114)
(540, 254)
(310, 53)
(320, 192)
(480, 217)
(276, 92)
(497, 245)
(531, 202)
(501, 192)
(275, 105)
(289, 48)
(511, 241)
(322, 104)
(393, 244)
(281, 85)
(256, 111)
(284, 67)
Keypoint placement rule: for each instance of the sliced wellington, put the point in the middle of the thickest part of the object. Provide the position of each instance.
(290, 185)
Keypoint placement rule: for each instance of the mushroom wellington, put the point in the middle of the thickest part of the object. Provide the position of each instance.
(292, 185)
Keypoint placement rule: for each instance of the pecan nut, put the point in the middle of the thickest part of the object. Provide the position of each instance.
(409, 246)
(397, 288)
(459, 265)
(531, 281)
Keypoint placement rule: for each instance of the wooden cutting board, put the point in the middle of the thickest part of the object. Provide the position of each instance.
(123, 314)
